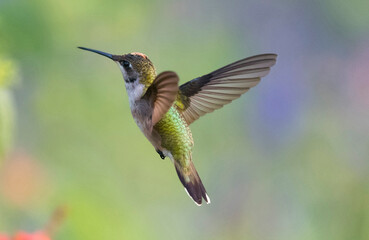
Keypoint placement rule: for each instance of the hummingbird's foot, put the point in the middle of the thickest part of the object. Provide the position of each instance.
(160, 153)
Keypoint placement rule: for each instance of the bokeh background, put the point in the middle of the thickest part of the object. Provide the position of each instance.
(288, 160)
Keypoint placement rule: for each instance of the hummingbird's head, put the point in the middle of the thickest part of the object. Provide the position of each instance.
(137, 69)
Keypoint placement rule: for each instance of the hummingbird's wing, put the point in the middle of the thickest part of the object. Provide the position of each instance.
(205, 94)
(165, 88)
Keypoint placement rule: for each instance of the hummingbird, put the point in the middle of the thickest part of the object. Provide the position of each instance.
(163, 110)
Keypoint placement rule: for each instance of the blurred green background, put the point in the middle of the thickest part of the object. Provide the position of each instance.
(288, 160)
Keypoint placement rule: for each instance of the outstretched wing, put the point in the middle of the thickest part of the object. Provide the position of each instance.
(165, 88)
(210, 92)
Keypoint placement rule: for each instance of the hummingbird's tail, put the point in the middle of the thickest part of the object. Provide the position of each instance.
(192, 183)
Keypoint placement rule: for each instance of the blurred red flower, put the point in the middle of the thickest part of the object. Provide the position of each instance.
(3, 237)
(44, 234)
(31, 236)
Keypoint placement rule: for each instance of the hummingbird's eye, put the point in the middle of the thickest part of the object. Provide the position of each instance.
(125, 63)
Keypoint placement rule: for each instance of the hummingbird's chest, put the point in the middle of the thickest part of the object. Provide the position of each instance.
(141, 107)
(141, 112)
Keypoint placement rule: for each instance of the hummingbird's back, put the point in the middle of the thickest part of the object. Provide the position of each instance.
(175, 135)
(177, 144)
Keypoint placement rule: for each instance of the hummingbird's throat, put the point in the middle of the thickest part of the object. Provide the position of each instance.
(135, 90)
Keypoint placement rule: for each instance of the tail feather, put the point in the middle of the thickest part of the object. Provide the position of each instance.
(192, 183)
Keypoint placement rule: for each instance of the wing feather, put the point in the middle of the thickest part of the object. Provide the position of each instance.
(165, 87)
(212, 91)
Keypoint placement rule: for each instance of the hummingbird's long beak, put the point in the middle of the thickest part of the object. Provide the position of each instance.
(108, 55)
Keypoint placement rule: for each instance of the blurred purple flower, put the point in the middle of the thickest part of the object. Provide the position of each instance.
(282, 96)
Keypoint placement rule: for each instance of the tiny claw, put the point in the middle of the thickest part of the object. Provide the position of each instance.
(160, 153)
